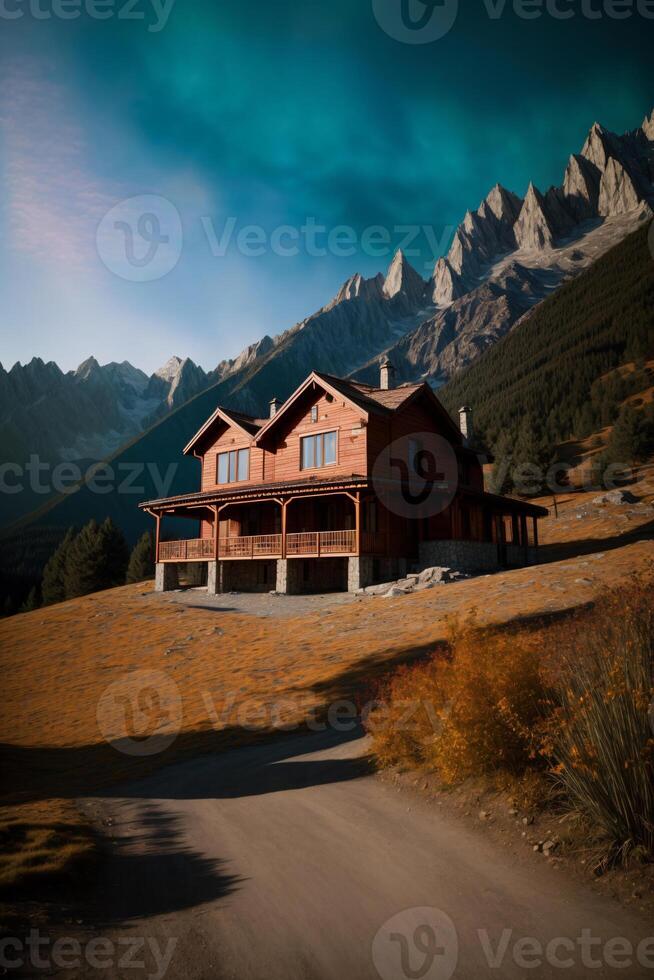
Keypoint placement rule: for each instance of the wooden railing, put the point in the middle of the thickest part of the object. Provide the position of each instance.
(309, 544)
(196, 549)
(318, 543)
(253, 546)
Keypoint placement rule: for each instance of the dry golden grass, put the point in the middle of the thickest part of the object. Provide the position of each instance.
(42, 840)
(57, 662)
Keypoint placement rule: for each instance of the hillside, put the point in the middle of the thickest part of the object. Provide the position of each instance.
(551, 366)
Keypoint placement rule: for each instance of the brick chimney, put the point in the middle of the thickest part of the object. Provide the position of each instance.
(465, 424)
(275, 406)
(386, 374)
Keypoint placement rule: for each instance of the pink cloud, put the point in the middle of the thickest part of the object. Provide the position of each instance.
(52, 201)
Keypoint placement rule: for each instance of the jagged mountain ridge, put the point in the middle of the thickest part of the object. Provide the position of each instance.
(87, 413)
(505, 258)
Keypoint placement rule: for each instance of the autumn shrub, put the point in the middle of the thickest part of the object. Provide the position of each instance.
(473, 711)
(600, 732)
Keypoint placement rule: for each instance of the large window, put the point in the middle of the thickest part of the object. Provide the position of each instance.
(318, 450)
(234, 467)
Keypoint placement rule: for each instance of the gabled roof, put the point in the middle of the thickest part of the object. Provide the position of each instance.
(360, 396)
(246, 423)
(335, 386)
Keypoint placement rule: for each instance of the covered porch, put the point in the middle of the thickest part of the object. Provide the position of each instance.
(335, 523)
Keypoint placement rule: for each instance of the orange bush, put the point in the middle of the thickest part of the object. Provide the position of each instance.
(474, 711)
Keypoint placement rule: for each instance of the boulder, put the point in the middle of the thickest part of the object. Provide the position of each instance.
(616, 497)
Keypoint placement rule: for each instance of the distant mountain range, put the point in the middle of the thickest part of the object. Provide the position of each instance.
(505, 258)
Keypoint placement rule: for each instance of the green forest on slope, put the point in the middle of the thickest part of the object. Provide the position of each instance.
(548, 372)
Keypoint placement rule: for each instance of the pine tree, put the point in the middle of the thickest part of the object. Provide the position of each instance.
(141, 560)
(84, 562)
(627, 442)
(531, 459)
(32, 601)
(501, 481)
(53, 586)
(115, 555)
(97, 560)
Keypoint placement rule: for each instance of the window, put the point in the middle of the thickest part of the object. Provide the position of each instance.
(318, 450)
(234, 467)
(314, 413)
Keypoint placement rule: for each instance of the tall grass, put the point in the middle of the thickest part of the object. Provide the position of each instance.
(574, 698)
(599, 737)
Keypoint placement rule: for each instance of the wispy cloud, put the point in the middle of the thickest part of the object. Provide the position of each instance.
(52, 201)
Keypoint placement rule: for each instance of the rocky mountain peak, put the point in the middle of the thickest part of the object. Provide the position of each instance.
(618, 191)
(504, 204)
(648, 127)
(87, 368)
(170, 369)
(533, 229)
(403, 278)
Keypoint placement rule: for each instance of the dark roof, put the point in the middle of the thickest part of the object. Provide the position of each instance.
(246, 421)
(371, 398)
(235, 490)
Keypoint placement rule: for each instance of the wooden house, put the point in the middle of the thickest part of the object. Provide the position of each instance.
(342, 486)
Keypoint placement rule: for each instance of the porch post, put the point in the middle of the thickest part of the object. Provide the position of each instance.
(284, 504)
(156, 550)
(357, 515)
(216, 518)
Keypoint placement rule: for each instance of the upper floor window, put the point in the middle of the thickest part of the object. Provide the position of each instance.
(318, 450)
(234, 466)
(314, 413)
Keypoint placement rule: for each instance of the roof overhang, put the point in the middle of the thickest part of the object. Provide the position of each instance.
(222, 415)
(313, 379)
(267, 491)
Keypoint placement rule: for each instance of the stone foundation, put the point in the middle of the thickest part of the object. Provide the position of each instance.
(360, 573)
(473, 556)
(165, 577)
(464, 556)
(287, 579)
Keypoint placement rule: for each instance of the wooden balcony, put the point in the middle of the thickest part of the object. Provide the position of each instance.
(318, 544)
(306, 544)
(197, 549)
(253, 546)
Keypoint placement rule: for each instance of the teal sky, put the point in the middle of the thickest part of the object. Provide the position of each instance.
(270, 113)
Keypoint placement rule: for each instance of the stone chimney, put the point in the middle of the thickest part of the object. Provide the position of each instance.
(275, 406)
(386, 374)
(465, 424)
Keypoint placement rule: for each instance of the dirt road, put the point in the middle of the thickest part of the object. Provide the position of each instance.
(284, 862)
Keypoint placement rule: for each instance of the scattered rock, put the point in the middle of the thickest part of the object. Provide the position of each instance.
(616, 497)
(484, 815)
(527, 821)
